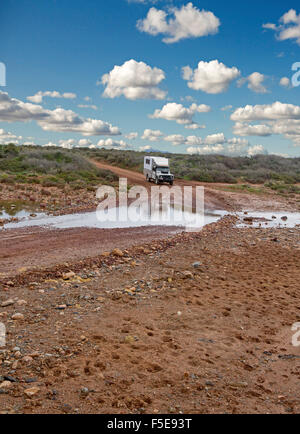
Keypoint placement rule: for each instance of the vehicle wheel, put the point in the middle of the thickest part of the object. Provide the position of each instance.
(147, 178)
(171, 183)
(156, 181)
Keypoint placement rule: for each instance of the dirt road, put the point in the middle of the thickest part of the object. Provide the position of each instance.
(41, 247)
(215, 197)
(36, 247)
(203, 326)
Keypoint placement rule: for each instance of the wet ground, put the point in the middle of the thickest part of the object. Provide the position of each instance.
(192, 323)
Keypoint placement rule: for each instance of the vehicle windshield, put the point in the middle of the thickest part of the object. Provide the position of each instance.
(162, 169)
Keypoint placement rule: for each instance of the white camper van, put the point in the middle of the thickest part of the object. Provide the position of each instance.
(157, 169)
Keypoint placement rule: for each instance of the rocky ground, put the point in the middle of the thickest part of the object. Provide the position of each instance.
(194, 323)
(149, 320)
(55, 200)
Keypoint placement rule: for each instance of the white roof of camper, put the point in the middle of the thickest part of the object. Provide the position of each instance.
(160, 161)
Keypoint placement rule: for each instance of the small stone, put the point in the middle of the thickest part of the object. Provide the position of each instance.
(9, 378)
(118, 252)
(7, 303)
(27, 359)
(84, 391)
(61, 307)
(187, 275)
(69, 275)
(5, 385)
(129, 339)
(32, 391)
(31, 380)
(18, 317)
(196, 264)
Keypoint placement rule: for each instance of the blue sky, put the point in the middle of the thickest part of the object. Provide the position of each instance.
(58, 51)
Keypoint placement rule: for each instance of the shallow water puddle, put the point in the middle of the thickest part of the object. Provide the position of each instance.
(118, 218)
(269, 219)
(17, 209)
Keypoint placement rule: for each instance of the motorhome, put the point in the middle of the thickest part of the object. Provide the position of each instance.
(157, 169)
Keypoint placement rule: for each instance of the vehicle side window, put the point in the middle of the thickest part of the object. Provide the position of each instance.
(147, 161)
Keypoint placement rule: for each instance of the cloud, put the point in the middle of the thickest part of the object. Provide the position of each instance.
(195, 126)
(67, 144)
(211, 144)
(152, 135)
(38, 97)
(147, 148)
(245, 129)
(255, 150)
(277, 118)
(255, 82)
(175, 139)
(217, 149)
(7, 137)
(180, 114)
(211, 77)
(134, 80)
(288, 27)
(285, 82)
(132, 136)
(212, 139)
(227, 107)
(88, 106)
(14, 110)
(235, 148)
(274, 111)
(186, 22)
(112, 144)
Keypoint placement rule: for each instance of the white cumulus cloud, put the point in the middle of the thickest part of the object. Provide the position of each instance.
(288, 26)
(134, 80)
(255, 82)
(38, 97)
(6, 137)
(112, 144)
(14, 110)
(277, 118)
(182, 23)
(285, 82)
(152, 135)
(180, 114)
(211, 77)
(131, 136)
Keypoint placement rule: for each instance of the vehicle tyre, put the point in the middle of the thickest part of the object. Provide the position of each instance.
(156, 181)
(171, 182)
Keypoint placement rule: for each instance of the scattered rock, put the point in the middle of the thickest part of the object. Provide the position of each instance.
(32, 391)
(5, 385)
(18, 317)
(69, 275)
(118, 252)
(7, 303)
(129, 339)
(61, 307)
(196, 264)
(188, 275)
